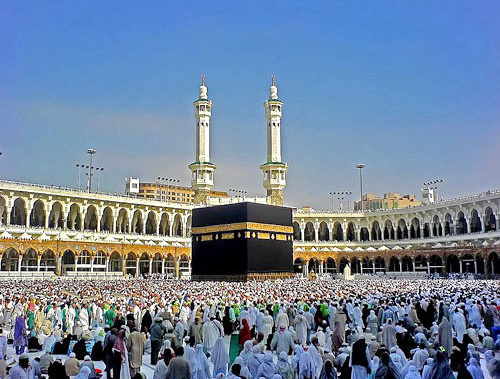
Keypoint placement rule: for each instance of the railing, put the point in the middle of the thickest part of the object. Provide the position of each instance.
(119, 237)
(86, 194)
(411, 207)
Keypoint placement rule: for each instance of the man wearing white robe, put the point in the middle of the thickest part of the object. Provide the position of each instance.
(211, 330)
(459, 324)
(301, 326)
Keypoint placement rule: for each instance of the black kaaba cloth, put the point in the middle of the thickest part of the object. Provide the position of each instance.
(241, 241)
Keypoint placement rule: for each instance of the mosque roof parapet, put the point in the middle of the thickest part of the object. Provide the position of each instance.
(67, 191)
(486, 195)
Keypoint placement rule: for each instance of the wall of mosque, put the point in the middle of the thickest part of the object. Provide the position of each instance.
(65, 231)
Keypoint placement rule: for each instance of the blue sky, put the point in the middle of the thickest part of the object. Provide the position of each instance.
(409, 88)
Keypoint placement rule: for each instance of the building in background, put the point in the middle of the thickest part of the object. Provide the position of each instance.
(164, 192)
(390, 200)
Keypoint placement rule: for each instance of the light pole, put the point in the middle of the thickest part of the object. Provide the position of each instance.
(431, 183)
(361, 166)
(99, 170)
(91, 152)
(340, 198)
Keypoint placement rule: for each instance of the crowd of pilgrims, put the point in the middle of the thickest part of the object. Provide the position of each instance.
(294, 328)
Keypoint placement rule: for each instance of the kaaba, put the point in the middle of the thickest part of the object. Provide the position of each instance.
(243, 241)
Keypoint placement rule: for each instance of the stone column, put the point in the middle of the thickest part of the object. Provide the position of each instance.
(302, 232)
(316, 232)
(428, 268)
(92, 263)
(177, 268)
(475, 266)
(137, 267)
(19, 259)
(461, 266)
(413, 264)
(38, 260)
(150, 266)
(481, 220)
(468, 225)
(107, 264)
(163, 265)
(443, 229)
(373, 267)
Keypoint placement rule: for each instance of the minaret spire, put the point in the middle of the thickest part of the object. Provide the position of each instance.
(274, 169)
(202, 179)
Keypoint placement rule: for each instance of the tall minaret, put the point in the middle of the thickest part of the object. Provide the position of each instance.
(274, 169)
(202, 179)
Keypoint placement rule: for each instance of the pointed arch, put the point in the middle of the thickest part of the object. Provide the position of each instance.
(90, 221)
(338, 232)
(376, 231)
(394, 265)
(350, 233)
(122, 221)
(309, 231)
(448, 225)
(323, 232)
(164, 224)
(137, 222)
(435, 264)
(461, 223)
(107, 221)
(157, 259)
(48, 261)
(56, 216)
(170, 265)
(475, 222)
(74, 219)
(452, 264)
(68, 262)
(18, 212)
(388, 230)
(415, 228)
(363, 234)
(184, 265)
(115, 262)
(177, 226)
(10, 260)
(151, 223)
(490, 221)
(402, 230)
(29, 261)
(37, 215)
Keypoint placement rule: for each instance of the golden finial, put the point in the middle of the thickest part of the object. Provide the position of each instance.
(272, 78)
(202, 79)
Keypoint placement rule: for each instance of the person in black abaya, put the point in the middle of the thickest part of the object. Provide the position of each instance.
(226, 322)
(80, 349)
(146, 322)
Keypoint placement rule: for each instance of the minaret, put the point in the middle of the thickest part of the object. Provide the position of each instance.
(202, 178)
(274, 169)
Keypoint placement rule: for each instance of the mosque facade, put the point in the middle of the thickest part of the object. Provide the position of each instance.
(47, 230)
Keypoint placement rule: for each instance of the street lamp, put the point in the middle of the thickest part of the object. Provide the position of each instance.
(91, 152)
(340, 197)
(360, 166)
(431, 183)
(238, 192)
(99, 170)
